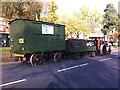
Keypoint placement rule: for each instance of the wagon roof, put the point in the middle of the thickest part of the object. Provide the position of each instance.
(35, 21)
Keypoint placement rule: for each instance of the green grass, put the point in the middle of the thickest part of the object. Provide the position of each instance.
(5, 49)
(6, 55)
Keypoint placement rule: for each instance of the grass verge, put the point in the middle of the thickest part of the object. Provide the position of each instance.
(115, 48)
(6, 55)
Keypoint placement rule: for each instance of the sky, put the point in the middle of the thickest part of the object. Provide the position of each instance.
(69, 6)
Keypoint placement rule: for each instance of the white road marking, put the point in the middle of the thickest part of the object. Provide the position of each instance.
(72, 67)
(65, 69)
(104, 59)
(116, 68)
(12, 82)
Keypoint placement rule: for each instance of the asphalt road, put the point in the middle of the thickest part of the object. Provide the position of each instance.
(88, 72)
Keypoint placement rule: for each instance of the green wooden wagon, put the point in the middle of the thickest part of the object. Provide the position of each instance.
(34, 40)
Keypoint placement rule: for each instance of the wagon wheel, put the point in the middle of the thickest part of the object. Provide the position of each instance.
(57, 57)
(81, 54)
(109, 50)
(77, 56)
(104, 50)
(22, 60)
(93, 54)
(46, 56)
(36, 59)
(64, 56)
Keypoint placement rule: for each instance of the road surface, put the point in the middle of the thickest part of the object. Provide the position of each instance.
(88, 72)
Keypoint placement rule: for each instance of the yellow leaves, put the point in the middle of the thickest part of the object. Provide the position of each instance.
(73, 25)
(116, 33)
(82, 21)
(50, 14)
(24, 10)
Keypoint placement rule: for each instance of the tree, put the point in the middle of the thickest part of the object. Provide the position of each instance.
(110, 20)
(34, 10)
(83, 23)
(93, 19)
(49, 14)
(118, 31)
(24, 10)
(8, 9)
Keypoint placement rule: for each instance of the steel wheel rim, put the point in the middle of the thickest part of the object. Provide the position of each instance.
(36, 59)
(57, 57)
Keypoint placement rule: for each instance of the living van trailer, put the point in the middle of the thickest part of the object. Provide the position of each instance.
(35, 42)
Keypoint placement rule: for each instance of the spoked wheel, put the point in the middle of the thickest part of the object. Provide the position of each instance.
(36, 59)
(109, 50)
(93, 54)
(57, 57)
(46, 57)
(64, 56)
(104, 50)
(21, 59)
(77, 56)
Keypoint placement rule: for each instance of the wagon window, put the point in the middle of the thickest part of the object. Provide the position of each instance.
(47, 29)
